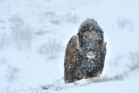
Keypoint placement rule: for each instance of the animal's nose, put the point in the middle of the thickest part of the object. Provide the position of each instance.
(90, 53)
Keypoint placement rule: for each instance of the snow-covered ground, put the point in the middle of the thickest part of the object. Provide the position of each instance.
(34, 35)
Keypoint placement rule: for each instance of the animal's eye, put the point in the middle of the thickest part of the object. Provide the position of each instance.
(85, 45)
(94, 50)
(86, 34)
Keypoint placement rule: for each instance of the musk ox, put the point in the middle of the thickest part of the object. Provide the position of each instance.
(85, 53)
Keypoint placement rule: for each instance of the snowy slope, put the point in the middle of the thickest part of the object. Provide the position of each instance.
(34, 34)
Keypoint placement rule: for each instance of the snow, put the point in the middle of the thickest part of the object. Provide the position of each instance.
(27, 64)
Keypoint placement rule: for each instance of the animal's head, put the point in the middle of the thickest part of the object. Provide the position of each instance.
(90, 39)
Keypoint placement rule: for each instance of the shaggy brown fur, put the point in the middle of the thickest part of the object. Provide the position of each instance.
(85, 53)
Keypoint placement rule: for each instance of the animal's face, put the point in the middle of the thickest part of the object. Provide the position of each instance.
(90, 52)
(90, 44)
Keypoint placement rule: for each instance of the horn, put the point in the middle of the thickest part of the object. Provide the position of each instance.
(78, 43)
(103, 46)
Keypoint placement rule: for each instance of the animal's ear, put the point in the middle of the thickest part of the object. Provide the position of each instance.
(103, 46)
